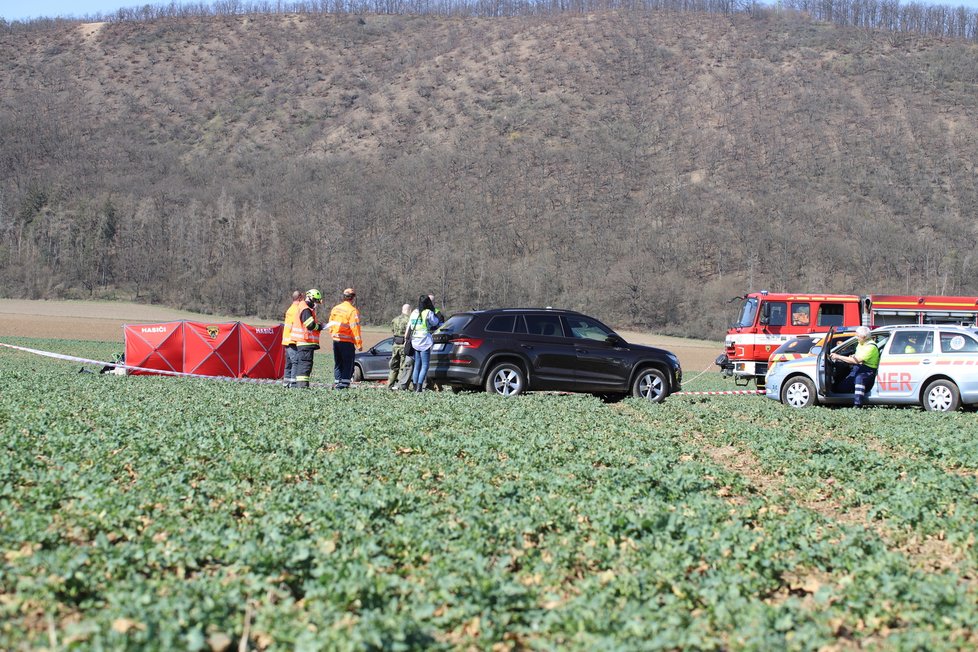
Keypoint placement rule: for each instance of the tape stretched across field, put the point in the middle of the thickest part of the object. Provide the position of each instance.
(136, 369)
(131, 368)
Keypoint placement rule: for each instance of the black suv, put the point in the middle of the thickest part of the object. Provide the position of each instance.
(510, 351)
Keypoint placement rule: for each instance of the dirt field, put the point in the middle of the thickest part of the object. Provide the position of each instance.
(102, 321)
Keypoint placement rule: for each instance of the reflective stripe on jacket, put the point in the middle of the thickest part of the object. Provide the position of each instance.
(419, 323)
(344, 324)
(305, 333)
(290, 316)
(421, 328)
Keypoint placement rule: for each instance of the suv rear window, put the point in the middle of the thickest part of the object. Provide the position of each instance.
(455, 324)
(544, 325)
(506, 324)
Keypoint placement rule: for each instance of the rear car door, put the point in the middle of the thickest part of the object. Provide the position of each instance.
(907, 361)
(552, 356)
(824, 367)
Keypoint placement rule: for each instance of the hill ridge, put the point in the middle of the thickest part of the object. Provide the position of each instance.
(645, 166)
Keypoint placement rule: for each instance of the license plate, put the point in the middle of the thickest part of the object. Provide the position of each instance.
(439, 346)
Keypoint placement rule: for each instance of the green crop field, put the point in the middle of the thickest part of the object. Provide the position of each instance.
(167, 513)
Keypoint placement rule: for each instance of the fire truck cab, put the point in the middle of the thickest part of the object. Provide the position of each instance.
(768, 319)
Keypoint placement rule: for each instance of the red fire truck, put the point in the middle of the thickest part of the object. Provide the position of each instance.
(767, 319)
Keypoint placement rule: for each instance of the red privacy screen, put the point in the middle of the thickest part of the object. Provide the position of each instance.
(229, 349)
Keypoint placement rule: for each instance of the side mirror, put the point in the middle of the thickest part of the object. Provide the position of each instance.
(765, 313)
(615, 340)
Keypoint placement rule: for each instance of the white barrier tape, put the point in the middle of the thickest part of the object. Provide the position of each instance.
(59, 356)
(159, 372)
(735, 392)
(269, 381)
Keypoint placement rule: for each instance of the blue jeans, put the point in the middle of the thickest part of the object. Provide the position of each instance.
(421, 360)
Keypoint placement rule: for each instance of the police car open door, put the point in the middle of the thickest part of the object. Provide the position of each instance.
(825, 367)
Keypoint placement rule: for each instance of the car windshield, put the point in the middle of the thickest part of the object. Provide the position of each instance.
(747, 313)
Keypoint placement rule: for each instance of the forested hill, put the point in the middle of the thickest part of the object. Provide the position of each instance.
(640, 166)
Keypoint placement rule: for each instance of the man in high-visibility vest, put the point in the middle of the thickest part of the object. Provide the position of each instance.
(305, 335)
(344, 326)
(289, 379)
(865, 363)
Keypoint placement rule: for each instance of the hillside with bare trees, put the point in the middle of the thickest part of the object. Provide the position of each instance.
(642, 166)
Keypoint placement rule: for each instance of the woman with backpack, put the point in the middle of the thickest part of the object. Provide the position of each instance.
(422, 322)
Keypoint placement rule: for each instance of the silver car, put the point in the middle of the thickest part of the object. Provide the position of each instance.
(935, 366)
(374, 363)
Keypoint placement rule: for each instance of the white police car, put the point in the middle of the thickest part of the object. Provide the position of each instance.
(935, 366)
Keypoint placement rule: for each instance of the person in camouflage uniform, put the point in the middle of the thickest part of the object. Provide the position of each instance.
(399, 362)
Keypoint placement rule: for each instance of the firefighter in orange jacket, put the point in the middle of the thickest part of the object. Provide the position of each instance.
(290, 349)
(305, 335)
(344, 326)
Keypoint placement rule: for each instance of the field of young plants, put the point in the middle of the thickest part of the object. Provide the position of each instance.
(165, 513)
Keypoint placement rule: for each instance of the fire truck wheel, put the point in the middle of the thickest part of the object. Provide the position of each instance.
(942, 396)
(799, 392)
(650, 384)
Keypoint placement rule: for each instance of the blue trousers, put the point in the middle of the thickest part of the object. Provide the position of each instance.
(859, 381)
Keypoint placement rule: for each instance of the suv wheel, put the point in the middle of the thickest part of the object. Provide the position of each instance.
(942, 396)
(506, 379)
(650, 384)
(799, 392)
(357, 373)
